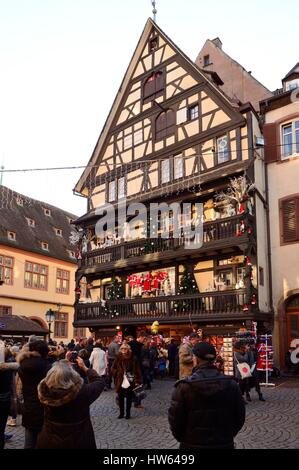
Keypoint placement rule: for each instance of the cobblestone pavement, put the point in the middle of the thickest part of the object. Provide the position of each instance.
(273, 424)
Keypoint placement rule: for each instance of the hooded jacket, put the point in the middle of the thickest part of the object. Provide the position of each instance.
(207, 410)
(33, 368)
(67, 423)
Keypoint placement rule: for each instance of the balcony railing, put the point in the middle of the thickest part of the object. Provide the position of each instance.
(168, 308)
(213, 232)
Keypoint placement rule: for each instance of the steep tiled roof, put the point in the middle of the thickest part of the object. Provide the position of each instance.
(16, 208)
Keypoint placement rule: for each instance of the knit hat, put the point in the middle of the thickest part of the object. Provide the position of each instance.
(205, 351)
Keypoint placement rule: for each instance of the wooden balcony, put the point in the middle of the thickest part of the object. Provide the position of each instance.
(218, 234)
(221, 305)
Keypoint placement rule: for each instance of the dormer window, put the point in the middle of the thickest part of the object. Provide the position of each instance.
(30, 222)
(12, 236)
(20, 201)
(70, 220)
(71, 254)
(58, 232)
(47, 212)
(45, 246)
(153, 86)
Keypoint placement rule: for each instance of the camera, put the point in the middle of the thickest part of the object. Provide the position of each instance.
(73, 357)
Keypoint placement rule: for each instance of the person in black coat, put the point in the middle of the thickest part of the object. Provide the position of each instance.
(207, 410)
(7, 370)
(172, 352)
(66, 400)
(33, 368)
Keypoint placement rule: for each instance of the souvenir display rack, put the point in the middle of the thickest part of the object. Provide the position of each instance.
(228, 356)
(265, 358)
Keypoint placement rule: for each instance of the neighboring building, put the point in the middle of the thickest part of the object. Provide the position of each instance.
(37, 262)
(238, 84)
(172, 136)
(281, 131)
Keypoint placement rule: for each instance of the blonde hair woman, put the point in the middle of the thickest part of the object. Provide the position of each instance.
(127, 376)
(66, 399)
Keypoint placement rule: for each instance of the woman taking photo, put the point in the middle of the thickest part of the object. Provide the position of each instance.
(66, 399)
(127, 376)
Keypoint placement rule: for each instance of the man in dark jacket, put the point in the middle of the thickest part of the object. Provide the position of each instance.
(33, 368)
(207, 410)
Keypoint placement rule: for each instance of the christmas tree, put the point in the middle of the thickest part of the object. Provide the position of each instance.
(188, 283)
(187, 286)
(115, 291)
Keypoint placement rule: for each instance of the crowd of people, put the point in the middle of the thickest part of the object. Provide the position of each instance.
(53, 385)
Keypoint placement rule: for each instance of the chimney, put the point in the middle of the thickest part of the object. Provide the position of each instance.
(217, 42)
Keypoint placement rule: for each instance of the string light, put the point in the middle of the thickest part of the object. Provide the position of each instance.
(137, 162)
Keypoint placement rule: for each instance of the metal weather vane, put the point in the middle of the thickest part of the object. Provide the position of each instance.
(154, 10)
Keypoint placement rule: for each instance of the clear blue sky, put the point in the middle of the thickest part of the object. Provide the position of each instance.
(62, 62)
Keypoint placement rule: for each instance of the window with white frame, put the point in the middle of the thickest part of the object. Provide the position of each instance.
(138, 137)
(165, 171)
(290, 139)
(121, 188)
(6, 269)
(117, 189)
(222, 149)
(193, 112)
(128, 141)
(178, 168)
(112, 191)
(292, 84)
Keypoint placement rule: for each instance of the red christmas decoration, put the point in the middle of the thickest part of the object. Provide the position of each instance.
(245, 308)
(241, 209)
(147, 283)
(248, 261)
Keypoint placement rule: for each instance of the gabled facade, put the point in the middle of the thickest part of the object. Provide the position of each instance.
(172, 136)
(281, 130)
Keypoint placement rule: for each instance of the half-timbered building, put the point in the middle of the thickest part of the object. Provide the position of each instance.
(172, 136)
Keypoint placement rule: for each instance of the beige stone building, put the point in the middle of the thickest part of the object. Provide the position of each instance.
(37, 262)
(237, 83)
(281, 131)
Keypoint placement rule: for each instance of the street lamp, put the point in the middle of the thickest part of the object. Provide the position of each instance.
(50, 317)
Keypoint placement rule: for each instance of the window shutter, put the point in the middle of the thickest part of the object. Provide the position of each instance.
(272, 149)
(181, 116)
(149, 87)
(159, 81)
(290, 220)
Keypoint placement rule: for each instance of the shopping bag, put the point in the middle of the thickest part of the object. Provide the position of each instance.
(244, 370)
(125, 382)
(139, 392)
